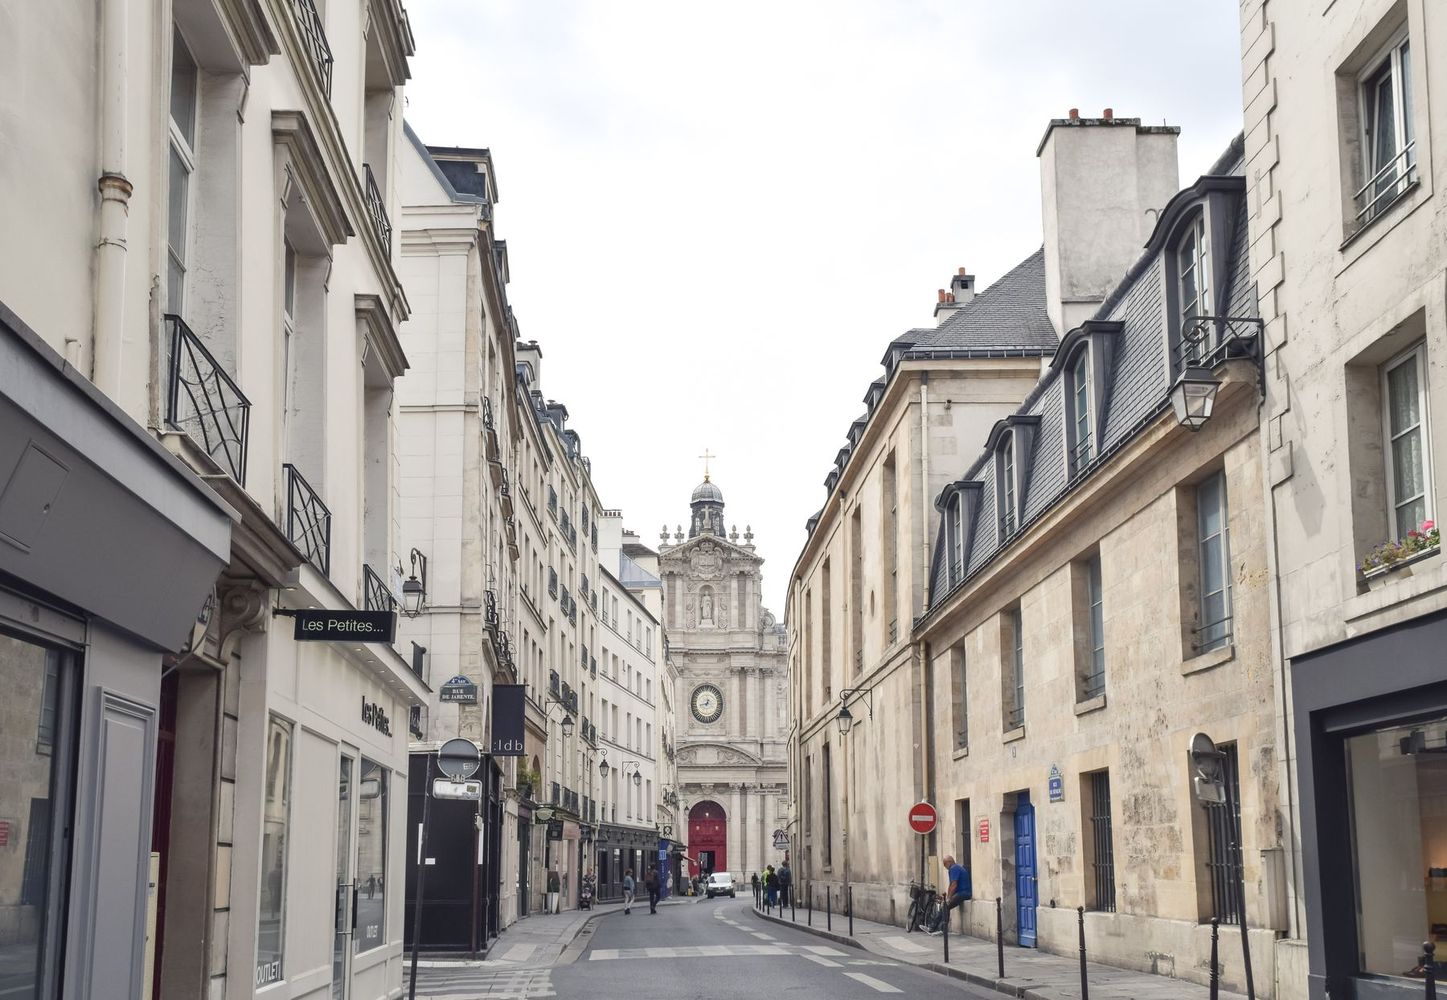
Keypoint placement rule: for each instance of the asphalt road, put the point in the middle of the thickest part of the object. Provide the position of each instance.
(717, 950)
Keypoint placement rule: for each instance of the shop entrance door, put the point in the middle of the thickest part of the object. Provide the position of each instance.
(345, 916)
(1026, 898)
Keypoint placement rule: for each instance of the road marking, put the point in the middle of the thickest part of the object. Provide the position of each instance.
(519, 953)
(763, 937)
(878, 985)
(827, 962)
(902, 943)
(820, 949)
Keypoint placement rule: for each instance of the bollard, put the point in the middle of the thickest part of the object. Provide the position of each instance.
(1084, 982)
(850, 891)
(1215, 966)
(828, 908)
(793, 905)
(809, 905)
(946, 933)
(1000, 935)
(1429, 967)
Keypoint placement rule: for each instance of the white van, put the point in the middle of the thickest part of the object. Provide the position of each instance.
(719, 884)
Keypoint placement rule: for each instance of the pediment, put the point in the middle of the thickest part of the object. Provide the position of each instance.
(716, 754)
(700, 543)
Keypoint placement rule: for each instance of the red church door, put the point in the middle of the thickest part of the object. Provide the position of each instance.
(707, 839)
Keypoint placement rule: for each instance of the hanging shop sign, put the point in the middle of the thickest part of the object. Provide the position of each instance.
(344, 626)
(458, 691)
(508, 702)
(555, 829)
(1057, 784)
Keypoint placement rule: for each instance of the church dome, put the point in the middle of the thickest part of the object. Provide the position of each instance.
(707, 492)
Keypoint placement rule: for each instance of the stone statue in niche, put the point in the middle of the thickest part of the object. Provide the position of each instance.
(705, 606)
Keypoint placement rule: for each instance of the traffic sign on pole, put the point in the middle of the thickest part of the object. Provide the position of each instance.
(459, 759)
(922, 818)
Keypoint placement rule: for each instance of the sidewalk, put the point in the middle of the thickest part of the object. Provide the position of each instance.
(1029, 972)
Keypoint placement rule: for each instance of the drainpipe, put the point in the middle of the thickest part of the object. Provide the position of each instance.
(926, 715)
(115, 192)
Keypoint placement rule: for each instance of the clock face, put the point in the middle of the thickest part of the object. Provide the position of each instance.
(707, 703)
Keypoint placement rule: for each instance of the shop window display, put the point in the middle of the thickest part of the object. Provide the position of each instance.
(371, 856)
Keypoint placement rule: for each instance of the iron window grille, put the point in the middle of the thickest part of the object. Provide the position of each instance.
(552, 501)
(1389, 147)
(308, 521)
(314, 37)
(1102, 863)
(554, 683)
(204, 403)
(552, 582)
(1223, 860)
(376, 595)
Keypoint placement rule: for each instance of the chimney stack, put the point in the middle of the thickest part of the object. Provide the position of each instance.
(1102, 183)
(961, 291)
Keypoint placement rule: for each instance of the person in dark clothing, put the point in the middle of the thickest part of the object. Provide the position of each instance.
(650, 882)
(771, 887)
(786, 884)
(958, 891)
(758, 890)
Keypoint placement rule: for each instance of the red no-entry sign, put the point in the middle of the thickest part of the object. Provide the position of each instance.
(922, 817)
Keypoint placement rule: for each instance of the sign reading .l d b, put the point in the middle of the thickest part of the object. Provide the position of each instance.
(508, 706)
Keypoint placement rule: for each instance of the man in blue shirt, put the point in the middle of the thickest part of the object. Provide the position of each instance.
(958, 891)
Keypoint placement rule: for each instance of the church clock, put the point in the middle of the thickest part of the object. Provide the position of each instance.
(706, 703)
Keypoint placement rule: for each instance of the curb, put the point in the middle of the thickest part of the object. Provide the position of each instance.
(1000, 986)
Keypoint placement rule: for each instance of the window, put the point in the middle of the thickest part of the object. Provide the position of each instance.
(1006, 464)
(1388, 145)
(45, 727)
(1397, 780)
(1101, 894)
(962, 815)
(955, 539)
(1012, 643)
(371, 885)
(828, 844)
(1223, 841)
(182, 164)
(1093, 674)
(1409, 478)
(1214, 554)
(1078, 403)
(276, 823)
(960, 697)
(1193, 263)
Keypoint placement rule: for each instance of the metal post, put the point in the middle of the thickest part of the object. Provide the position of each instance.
(1084, 980)
(1429, 966)
(1245, 935)
(1215, 965)
(421, 878)
(809, 905)
(793, 904)
(828, 909)
(1000, 935)
(947, 933)
(850, 890)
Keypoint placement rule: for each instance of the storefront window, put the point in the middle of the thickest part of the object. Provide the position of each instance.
(371, 856)
(29, 676)
(1399, 844)
(276, 823)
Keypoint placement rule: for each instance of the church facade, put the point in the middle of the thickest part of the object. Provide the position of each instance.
(730, 655)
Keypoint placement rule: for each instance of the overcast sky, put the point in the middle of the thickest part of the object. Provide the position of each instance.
(719, 215)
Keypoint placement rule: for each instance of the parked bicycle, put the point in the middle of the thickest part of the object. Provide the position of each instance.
(924, 907)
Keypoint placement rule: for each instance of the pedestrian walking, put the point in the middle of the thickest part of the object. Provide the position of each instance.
(786, 884)
(771, 887)
(650, 882)
(959, 890)
(758, 890)
(628, 890)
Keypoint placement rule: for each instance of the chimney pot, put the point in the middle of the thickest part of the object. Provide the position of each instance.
(1075, 114)
(943, 293)
(963, 272)
(1109, 114)
(950, 297)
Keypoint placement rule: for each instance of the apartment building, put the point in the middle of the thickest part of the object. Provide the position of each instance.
(206, 234)
(1342, 111)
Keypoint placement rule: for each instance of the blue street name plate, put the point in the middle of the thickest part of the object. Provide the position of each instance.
(1056, 785)
(345, 626)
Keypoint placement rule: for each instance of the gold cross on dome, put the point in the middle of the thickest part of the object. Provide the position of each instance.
(706, 456)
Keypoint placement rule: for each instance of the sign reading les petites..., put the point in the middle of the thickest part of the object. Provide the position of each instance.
(344, 626)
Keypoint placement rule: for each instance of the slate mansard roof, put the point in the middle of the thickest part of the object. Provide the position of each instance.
(1137, 365)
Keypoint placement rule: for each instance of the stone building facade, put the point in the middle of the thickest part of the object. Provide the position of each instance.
(732, 696)
(1343, 109)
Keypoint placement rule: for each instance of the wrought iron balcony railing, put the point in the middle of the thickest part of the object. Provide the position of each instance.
(376, 596)
(377, 209)
(489, 611)
(554, 683)
(1395, 177)
(314, 37)
(308, 521)
(204, 403)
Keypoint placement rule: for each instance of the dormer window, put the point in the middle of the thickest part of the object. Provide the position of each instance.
(955, 539)
(1005, 464)
(1193, 260)
(1078, 434)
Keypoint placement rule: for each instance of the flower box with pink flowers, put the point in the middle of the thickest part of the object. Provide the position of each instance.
(1398, 556)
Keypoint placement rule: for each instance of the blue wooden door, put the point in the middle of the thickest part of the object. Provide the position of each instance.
(1025, 882)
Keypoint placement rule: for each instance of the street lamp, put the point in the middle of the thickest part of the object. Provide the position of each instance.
(1194, 396)
(414, 591)
(845, 719)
